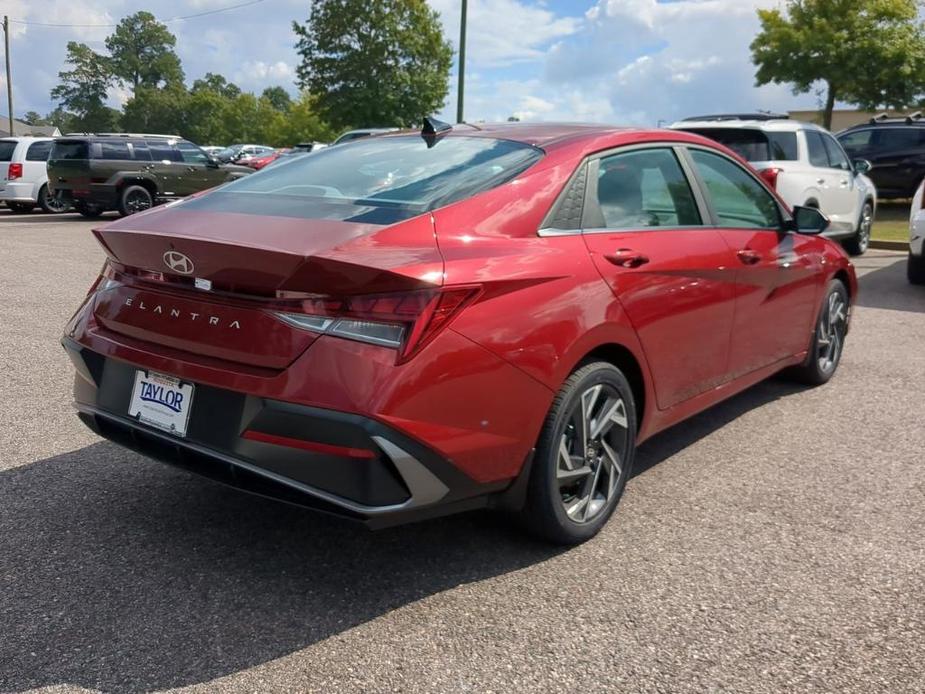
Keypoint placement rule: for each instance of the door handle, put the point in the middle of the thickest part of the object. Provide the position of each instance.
(844, 183)
(748, 256)
(626, 257)
(820, 181)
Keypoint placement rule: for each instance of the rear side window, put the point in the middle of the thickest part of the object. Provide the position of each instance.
(39, 151)
(375, 180)
(899, 138)
(818, 156)
(114, 150)
(70, 150)
(644, 188)
(162, 150)
(857, 140)
(140, 151)
(7, 147)
(739, 201)
(754, 145)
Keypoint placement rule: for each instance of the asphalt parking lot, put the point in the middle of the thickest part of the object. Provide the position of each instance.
(775, 543)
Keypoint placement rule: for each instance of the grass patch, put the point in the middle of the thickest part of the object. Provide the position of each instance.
(892, 222)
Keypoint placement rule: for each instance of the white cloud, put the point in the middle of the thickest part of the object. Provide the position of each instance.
(259, 72)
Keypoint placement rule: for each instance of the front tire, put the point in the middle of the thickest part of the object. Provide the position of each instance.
(915, 269)
(50, 204)
(584, 456)
(135, 199)
(828, 342)
(860, 242)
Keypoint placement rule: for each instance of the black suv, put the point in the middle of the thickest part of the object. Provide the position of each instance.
(896, 149)
(130, 173)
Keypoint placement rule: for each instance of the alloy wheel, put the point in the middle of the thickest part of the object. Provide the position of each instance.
(591, 453)
(864, 228)
(832, 327)
(137, 201)
(53, 204)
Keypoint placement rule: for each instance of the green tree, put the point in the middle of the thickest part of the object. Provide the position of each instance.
(865, 52)
(32, 118)
(373, 62)
(83, 89)
(156, 110)
(142, 52)
(216, 83)
(300, 123)
(277, 96)
(61, 119)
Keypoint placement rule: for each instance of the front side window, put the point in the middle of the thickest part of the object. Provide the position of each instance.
(39, 151)
(192, 154)
(739, 201)
(837, 157)
(818, 156)
(644, 188)
(376, 180)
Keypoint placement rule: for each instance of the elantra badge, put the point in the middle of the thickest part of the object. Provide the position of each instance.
(178, 262)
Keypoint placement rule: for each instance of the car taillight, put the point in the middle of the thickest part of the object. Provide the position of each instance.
(770, 176)
(403, 321)
(15, 171)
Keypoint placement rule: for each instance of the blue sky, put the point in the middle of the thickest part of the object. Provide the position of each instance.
(620, 61)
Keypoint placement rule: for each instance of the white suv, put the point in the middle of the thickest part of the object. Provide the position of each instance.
(23, 175)
(806, 166)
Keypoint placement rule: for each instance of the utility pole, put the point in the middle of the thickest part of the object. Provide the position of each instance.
(461, 82)
(9, 78)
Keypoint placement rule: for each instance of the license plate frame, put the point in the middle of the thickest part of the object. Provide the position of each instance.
(162, 401)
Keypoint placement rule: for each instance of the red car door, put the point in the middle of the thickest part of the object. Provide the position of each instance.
(673, 275)
(777, 272)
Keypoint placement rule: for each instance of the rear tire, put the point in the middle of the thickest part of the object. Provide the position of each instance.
(860, 242)
(584, 456)
(828, 342)
(20, 207)
(915, 269)
(135, 199)
(88, 210)
(50, 204)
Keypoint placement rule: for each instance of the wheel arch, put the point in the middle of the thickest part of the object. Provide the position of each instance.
(624, 359)
(142, 181)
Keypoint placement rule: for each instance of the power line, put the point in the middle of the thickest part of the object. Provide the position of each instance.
(162, 21)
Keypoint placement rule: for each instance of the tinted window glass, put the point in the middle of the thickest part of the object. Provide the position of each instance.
(6, 149)
(644, 188)
(141, 151)
(837, 157)
(69, 150)
(163, 150)
(191, 153)
(114, 150)
(38, 151)
(899, 138)
(738, 199)
(754, 145)
(857, 140)
(817, 152)
(375, 180)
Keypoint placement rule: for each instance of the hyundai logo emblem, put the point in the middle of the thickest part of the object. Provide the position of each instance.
(178, 262)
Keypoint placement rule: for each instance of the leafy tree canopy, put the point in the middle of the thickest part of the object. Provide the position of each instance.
(866, 52)
(142, 52)
(32, 118)
(82, 90)
(374, 62)
(217, 84)
(277, 96)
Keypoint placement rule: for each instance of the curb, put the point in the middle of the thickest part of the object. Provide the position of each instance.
(890, 245)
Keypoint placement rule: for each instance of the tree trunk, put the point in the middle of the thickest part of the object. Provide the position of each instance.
(829, 107)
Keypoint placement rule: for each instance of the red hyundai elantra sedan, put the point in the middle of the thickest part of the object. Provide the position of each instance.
(484, 316)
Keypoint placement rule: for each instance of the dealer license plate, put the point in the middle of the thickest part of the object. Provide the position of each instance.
(161, 401)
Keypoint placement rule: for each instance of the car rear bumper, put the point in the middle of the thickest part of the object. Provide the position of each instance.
(18, 192)
(335, 462)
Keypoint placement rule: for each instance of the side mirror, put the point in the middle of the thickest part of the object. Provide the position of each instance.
(807, 220)
(213, 163)
(861, 166)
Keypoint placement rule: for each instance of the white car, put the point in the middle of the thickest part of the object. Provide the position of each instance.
(805, 164)
(915, 267)
(23, 176)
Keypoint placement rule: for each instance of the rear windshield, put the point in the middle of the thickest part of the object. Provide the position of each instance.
(6, 149)
(69, 150)
(754, 145)
(375, 180)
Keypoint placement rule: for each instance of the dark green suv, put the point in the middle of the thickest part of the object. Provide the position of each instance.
(130, 173)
